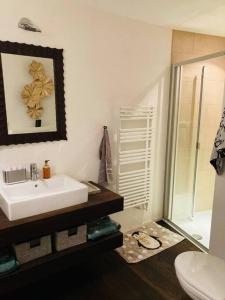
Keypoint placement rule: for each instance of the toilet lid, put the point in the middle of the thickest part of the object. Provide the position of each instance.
(203, 272)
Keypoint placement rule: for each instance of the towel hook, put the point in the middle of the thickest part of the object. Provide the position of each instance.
(105, 127)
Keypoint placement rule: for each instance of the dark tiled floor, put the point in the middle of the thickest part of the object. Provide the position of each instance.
(109, 277)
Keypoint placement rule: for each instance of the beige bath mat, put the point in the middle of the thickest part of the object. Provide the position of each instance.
(146, 241)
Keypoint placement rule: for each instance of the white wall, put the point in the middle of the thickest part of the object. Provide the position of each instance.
(109, 61)
(217, 241)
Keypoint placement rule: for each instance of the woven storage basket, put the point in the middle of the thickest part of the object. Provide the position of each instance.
(33, 249)
(70, 237)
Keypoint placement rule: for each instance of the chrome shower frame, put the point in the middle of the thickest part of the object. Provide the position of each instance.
(176, 74)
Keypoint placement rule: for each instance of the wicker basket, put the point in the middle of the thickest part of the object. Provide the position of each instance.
(70, 237)
(33, 249)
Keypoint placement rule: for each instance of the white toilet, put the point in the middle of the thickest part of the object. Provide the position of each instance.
(201, 275)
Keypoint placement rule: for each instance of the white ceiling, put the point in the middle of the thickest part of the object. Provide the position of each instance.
(204, 16)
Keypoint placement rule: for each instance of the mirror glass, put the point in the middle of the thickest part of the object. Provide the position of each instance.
(29, 90)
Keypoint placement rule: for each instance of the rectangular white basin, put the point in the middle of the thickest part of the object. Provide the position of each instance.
(36, 197)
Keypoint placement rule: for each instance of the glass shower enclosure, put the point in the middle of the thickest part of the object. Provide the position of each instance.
(197, 98)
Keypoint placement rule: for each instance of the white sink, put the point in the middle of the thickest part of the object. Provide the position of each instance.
(36, 197)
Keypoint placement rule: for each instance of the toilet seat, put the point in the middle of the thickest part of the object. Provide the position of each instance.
(191, 291)
(201, 275)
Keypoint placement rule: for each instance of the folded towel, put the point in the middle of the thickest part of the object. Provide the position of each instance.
(8, 262)
(218, 154)
(105, 170)
(102, 227)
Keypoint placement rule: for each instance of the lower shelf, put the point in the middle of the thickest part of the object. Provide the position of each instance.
(58, 261)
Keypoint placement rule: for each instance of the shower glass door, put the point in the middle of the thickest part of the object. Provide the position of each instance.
(197, 100)
(188, 93)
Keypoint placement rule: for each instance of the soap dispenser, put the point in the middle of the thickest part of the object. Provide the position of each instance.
(46, 170)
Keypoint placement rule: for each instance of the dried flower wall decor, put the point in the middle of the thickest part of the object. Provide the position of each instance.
(42, 96)
(34, 93)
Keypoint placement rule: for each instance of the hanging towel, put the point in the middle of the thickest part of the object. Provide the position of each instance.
(105, 170)
(218, 154)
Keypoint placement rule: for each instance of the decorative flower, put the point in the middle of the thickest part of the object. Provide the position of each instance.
(31, 94)
(35, 112)
(36, 70)
(45, 85)
(41, 87)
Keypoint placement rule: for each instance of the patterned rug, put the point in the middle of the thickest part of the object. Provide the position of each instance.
(146, 241)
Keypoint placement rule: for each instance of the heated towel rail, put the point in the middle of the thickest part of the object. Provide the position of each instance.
(135, 155)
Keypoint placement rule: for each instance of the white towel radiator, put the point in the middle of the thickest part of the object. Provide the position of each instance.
(135, 155)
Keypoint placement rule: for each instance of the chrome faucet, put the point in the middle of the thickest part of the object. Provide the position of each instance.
(34, 175)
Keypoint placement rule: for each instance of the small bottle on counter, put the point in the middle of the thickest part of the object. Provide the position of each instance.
(46, 170)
